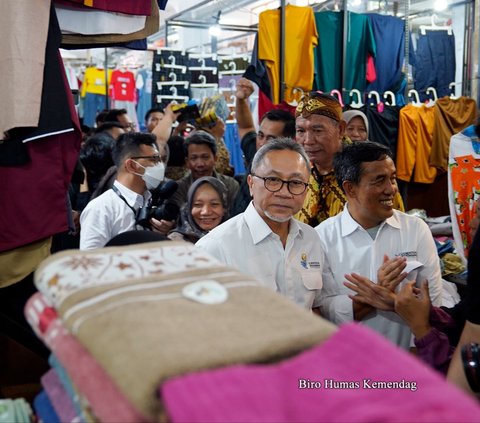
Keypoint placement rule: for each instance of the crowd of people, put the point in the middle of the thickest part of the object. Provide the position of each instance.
(317, 218)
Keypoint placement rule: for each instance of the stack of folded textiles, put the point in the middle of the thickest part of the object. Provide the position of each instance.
(15, 411)
(120, 323)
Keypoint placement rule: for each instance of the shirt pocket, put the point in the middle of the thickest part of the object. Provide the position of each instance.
(312, 279)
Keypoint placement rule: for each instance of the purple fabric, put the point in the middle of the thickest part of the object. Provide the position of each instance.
(353, 354)
(434, 348)
(58, 396)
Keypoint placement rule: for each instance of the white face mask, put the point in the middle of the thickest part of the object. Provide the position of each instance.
(153, 175)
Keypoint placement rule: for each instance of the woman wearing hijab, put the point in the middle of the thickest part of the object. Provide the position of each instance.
(205, 209)
(357, 125)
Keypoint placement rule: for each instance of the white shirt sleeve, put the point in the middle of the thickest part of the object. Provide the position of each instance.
(335, 304)
(427, 254)
(95, 229)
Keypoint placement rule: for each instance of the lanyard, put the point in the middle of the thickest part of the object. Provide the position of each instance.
(115, 189)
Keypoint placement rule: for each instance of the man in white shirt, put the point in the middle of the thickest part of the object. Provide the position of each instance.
(361, 238)
(140, 168)
(266, 241)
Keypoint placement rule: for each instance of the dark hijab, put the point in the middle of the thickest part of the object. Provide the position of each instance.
(187, 227)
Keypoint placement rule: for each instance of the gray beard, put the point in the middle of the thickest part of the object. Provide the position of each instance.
(277, 219)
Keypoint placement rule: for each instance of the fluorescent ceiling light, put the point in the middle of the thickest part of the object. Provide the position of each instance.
(440, 5)
(214, 30)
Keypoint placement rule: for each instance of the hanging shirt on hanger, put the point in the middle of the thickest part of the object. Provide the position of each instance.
(300, 38)
(451, 117)
(435, 63)
(414, 144)
(94, 81)
(122, 85)
(328, 55)
(389, 35)
(463, 185)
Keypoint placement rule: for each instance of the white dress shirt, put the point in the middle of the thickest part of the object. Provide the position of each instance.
(350, 249)
(108, 215)
(247, 243)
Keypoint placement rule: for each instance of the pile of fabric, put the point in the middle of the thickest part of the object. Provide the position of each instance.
(123, 320)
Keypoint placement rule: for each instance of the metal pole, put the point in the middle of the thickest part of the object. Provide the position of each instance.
(343, 88)
(282, 50)
(166, 33)
(105, 66)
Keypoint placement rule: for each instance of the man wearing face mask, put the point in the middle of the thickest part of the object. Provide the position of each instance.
(140, 169)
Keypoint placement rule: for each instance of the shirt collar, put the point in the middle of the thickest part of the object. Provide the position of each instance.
(133, 199)
(350, 225)
(259, 230)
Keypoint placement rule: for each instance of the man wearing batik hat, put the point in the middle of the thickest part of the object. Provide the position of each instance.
(320, 130)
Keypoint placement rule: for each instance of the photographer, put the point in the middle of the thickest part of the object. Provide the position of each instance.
(140, 168)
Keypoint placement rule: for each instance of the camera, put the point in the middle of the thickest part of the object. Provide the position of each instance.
(158, 209)
(188, 111)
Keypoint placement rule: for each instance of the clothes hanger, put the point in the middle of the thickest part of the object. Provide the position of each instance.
(173, 81)
(232, 71)
(339, 96)
(452, 86)
(391, 95)
(435, 27)
(203, 83)
(417, 97)
(432, 90)
(356, 104)
(170, 65)
(173, 96)
(376, 95)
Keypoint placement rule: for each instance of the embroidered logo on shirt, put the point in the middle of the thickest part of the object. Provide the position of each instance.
(303, 260)
(407, 254)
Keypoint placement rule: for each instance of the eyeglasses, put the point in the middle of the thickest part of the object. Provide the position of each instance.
(274, 184)
(129, 126)
(155, 158)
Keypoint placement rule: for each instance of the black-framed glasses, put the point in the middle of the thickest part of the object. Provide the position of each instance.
(155, 158)
(274, 184)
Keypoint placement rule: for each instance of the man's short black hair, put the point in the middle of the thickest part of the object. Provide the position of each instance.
(278, 115)
(128, 145)
(199, 138)
(105, 126)
(100, 118)
(154, 110)
(347, 163)
(112, 115)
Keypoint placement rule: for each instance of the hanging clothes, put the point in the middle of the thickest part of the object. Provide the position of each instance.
(451, 117)
(328, 57)
(232, 141)
(415, 143)
(257, 71)
(123, 93)
(434, 63)
(23, 55)
(33, 196)
(389, 35)
(144, 94)
(463, 185)
(94, 91)
(300, 38)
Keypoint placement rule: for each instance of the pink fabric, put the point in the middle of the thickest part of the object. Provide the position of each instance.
(86, 374)
(58, 396)
(353, 354)
(371, 72)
